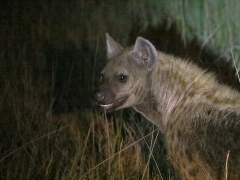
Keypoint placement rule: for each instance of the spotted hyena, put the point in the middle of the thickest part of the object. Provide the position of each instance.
(200, 118)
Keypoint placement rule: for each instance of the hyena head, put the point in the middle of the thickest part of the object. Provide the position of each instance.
(123, 81)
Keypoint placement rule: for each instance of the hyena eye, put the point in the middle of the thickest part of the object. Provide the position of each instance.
(122, 78)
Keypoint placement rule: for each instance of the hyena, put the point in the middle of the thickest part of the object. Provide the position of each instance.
(199, 117)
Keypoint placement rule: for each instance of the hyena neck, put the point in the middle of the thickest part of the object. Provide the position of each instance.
(175, 87)
(149, 109)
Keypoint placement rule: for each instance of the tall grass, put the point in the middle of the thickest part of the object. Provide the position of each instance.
(213, 22)
(72, 148)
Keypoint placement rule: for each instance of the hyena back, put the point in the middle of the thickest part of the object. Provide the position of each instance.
(200, 119)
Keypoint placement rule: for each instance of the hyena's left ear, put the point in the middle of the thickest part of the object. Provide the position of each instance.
(144, 53)
(112, 47)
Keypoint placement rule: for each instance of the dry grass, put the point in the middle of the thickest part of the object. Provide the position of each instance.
(82, 145)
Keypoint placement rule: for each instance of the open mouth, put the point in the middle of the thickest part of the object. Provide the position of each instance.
(114, 105)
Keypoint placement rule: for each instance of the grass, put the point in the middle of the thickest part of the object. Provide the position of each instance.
(81, 144)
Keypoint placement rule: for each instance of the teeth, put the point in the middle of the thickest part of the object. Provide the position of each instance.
(119, 100)
(107, 105)
(110, 105)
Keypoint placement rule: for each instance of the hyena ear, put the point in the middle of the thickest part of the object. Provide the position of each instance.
(145, 53)
(112, 47)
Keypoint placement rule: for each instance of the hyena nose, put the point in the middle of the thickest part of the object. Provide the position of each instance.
(98, 96)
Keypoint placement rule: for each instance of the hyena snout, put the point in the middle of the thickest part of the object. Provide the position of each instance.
(103, 96)
(98, 96)
(107, 99)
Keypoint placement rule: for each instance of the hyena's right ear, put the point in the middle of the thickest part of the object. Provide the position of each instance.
(144, 53)
(112, 47)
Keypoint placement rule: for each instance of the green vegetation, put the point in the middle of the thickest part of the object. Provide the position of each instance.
(38, 144)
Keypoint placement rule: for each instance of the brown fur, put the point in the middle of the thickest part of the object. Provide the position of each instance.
(199, 118)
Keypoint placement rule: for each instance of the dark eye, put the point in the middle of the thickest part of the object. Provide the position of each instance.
(122, 78)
